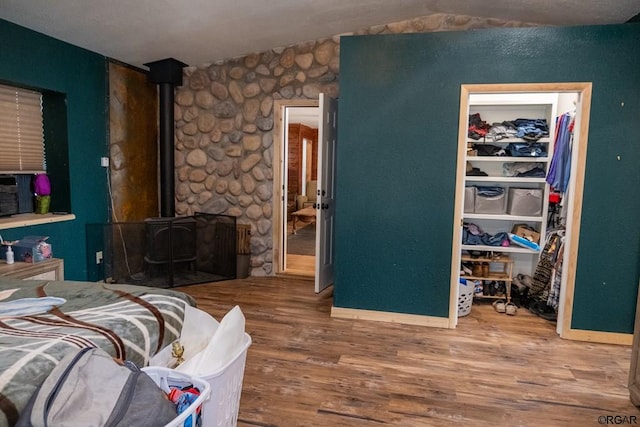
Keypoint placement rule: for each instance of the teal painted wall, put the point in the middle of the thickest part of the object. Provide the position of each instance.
(32, 59)
(398, 115)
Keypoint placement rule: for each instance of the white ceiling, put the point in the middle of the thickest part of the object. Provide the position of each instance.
(203, 31)
(308, 116)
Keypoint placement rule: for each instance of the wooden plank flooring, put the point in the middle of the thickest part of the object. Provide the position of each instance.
(305, 368)
(301, 265)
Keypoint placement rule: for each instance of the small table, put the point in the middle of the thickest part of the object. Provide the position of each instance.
(50, 269)
(307, 212)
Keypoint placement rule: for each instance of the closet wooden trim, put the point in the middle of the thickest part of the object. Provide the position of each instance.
(584, 89)
(599, 337)
(573, 229)
(383, 316)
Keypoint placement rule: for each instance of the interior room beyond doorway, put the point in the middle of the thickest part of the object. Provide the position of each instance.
(301, 154)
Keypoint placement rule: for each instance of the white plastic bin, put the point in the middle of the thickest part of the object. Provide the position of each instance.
(466, 290)
(221, 410)
(165, 377)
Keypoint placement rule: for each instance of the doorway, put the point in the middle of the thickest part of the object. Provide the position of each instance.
(581, 93)
(295, 170)
(324, 207)
(301, 177)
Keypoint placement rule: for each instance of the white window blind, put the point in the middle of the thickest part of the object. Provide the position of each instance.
(21, 131)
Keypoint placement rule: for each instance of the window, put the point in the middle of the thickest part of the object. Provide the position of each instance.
(21, 131)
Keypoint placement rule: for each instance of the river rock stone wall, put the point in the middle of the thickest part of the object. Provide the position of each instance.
(224, 124)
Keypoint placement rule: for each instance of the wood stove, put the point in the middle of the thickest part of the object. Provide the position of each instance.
(170, 243)
(166, 252)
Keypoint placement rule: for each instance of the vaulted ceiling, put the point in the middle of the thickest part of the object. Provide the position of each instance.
(203, 31)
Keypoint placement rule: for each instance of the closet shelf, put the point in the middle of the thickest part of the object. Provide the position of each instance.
(542, 140)
(503, 217)
(507, 159)
(497, 276)
(502, 249)
(518, 179)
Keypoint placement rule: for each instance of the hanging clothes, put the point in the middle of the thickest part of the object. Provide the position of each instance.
(544, 292)
(553, 299)
(544, 269)
(560, 169)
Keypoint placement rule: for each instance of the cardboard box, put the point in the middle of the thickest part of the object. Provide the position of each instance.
(526, 232)
(29, 249)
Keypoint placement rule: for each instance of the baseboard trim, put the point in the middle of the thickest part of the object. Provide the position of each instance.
(599, 337)
(383, 316)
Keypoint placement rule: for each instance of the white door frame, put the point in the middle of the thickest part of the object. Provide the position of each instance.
(575, 200)
(279, 231)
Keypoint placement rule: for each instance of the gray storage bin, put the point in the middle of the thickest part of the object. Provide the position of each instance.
(525, 201)
(490, 204)
(469, 199)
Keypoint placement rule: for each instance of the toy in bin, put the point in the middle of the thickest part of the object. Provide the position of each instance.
(188, 393)
(521, 241)
(183, 398)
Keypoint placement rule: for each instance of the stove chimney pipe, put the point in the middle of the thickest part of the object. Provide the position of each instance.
(166, 73)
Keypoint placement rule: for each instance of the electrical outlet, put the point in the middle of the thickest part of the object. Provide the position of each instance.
(104, 162)
(99, 257)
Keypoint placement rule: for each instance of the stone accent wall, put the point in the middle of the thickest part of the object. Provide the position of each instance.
(224, 123)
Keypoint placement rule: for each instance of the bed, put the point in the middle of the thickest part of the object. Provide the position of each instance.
(129, 322)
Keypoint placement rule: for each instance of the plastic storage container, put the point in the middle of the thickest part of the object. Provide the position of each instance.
(465, 297)
(226, 387)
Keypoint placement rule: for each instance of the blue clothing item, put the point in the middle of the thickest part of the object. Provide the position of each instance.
(560, 168)
(471, 235)
(539, 123)
(531, 129)
(526, 149)
(535, 173)
(489, 191)
(182, 404)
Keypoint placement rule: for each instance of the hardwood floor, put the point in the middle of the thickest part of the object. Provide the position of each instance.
(305, 368)
(301, 265)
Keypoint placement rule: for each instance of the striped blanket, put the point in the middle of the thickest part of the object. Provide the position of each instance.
(129, 322)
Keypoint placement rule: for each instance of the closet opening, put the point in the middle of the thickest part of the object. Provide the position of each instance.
(520, 175)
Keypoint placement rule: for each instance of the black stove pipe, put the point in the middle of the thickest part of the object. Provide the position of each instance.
(166, 73)
(167, 174)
